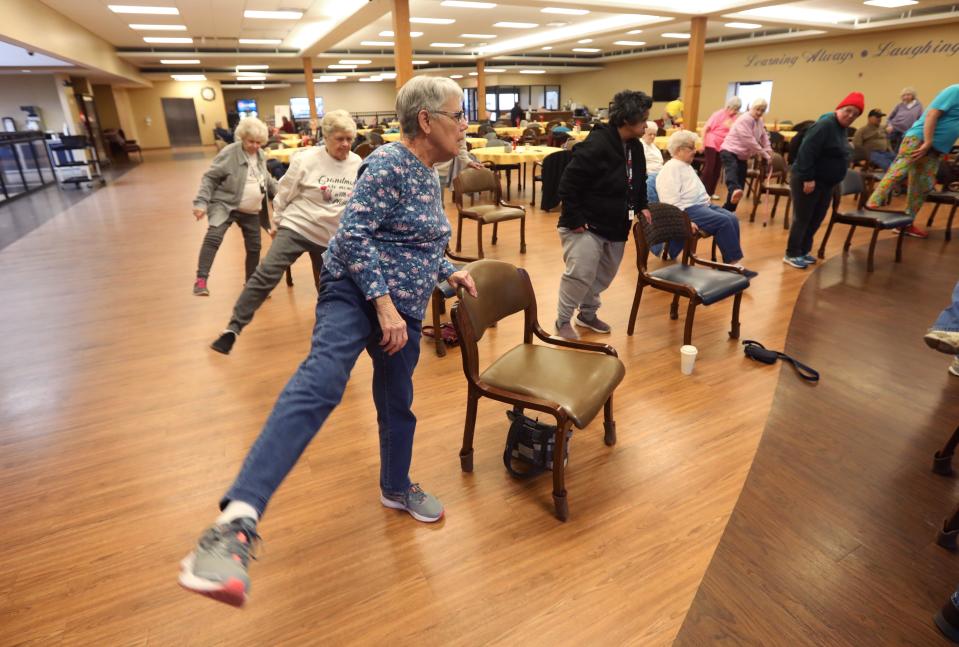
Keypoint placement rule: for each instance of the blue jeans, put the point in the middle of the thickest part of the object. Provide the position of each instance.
(723, 225)
(882, 159)
(948, 319)
(346, 324)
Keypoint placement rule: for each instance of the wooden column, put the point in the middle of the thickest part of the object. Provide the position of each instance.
(310, 92)
(481, 90)
(402, 43)
(694, 71)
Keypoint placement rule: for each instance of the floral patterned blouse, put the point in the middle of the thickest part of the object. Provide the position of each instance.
(394, 231)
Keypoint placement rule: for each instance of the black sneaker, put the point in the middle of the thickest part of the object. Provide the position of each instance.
(947, 618)
(224, 343)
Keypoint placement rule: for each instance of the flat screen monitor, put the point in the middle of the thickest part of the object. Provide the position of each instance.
(300, 107)
(666, 90)
(246, 107)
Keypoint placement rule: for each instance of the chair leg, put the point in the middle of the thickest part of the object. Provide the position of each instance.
(495, 232)
(789, 204)
(872, 249)
(942, 462)
(466, 453)
(825, 239)
(509, 180)
(289, 277)
(932, 216)
(845, 246)
(635, 307)
(559, 470)
(734, 331)
(756, 200)
(715, 246)
(947, 536)
(609, 425)
(437, 302)
(902, 235)
(459, 233)
(674, 308)
(479, 239)
(690, 315)
(772, 212)
(522, 235)
(952, 214)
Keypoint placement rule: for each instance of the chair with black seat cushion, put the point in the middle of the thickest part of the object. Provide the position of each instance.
(702, 282)
(876, 219)
(571, 386)
(548, 173)
(478, 181)
(441, 292)
(940, 198)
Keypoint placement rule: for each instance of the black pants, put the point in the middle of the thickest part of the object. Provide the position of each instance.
(711, 168)
(250, 226)
(735, 170)
(809, 210)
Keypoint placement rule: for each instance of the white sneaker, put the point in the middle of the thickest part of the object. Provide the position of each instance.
(954, 367)
(944, 341)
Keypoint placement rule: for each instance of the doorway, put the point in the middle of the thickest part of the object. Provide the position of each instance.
(181, 123)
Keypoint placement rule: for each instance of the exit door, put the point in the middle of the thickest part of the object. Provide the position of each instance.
(181, 123)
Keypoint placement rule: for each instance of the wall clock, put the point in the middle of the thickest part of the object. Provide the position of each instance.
(208, 93)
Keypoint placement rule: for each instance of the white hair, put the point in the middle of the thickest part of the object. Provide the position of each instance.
(908, 90)
(734, 103)
(428, 93)
(337, 120)
(681, 139)
(758, 103)
(651, 125)
(253, 129)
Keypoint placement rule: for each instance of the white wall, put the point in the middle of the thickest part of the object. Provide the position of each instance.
(31, 90)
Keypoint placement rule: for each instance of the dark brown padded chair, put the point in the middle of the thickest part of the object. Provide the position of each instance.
(701, 285)
(442, 292)
(570, 385)
(939, 198)
(876, 219)
(477, 181)
(364, 149)
(774, 181)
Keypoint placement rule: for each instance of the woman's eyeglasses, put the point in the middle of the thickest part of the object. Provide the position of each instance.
(455, 116)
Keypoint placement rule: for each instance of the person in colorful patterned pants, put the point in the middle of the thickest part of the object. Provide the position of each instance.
(932, 136)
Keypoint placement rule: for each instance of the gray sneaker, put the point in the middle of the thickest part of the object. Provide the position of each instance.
(595, 323)
(566, 331)
(217, 566)
(944, 341)
(421, 506)
(810, 259)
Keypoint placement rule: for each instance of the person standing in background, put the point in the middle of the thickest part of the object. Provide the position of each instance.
(714, 134)
(673, 116)
(902, 117)
(746, 137)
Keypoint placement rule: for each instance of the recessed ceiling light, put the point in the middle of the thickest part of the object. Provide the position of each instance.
(467, 4)
(256, 87)
(630, 43)
(250, 75)
(495, 70)
(273, 15)
(156, 11)
(27, 71)
(140, 27)
(420, 62)
(355, 61)
(251, 78)
(188, 77)
(889, 4)
(571, 33)
(388, 75)
(532, 71)
(163, 39)
(474, 73)
(328, 78)
(389, 34)
(567, 12)
(516, 25)
(260, 41)
(377, 43)
(180, 61)
(451, 45)
(371, 79)
(456, 76)
(675, 34)
(796, 14)
(547, 48)
(634, 32)
(556, 24)
(432, 21)
(478, 35)
(252, 67)
(341, 67)
(749, 25)
(585, 41)
(588, 50)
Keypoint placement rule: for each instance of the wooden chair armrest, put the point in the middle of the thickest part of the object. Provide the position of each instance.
(512, 206)
(460, 258)
(718, 266)
(570, 343)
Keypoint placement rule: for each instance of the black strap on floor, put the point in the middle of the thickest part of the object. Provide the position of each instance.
(756, 351)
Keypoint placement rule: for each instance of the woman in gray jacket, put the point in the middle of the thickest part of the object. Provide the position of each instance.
(232, 191)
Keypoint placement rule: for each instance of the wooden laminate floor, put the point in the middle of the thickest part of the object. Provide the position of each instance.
(120, 430)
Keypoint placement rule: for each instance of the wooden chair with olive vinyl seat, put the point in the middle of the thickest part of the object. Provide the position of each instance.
(702, 282)
(477, 181)
(441, 292)
(876, 219)
(572, 386)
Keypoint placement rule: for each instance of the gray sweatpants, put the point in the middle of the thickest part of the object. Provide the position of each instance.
(591, 265)
(286, 248)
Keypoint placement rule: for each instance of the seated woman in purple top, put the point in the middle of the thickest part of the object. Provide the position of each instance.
(377, 277)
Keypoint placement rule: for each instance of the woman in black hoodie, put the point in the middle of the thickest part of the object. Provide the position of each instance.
(603, 189)
(820, 165)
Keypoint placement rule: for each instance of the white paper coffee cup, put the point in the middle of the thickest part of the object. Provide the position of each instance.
(687, 358)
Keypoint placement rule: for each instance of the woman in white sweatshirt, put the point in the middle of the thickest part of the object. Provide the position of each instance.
(310, 198)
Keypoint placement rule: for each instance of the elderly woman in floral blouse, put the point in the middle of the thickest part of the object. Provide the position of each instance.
(377, 277)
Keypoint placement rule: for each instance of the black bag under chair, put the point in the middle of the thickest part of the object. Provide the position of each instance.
(531, 443)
